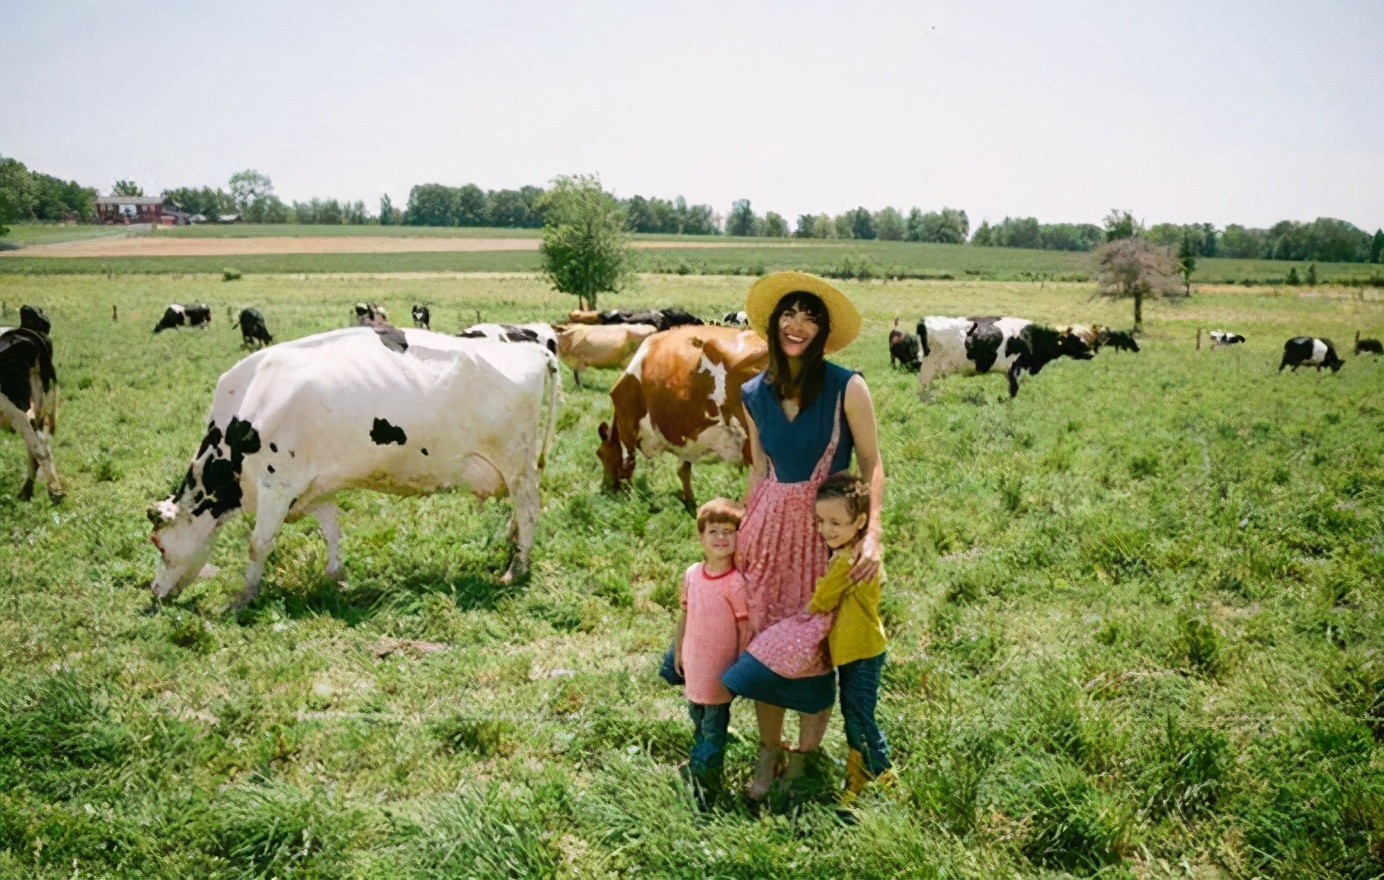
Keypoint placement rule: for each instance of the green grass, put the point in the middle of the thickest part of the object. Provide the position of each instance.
(1136, 621)
(23, 235)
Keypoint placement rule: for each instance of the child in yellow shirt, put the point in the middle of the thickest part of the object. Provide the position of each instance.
(857, 635)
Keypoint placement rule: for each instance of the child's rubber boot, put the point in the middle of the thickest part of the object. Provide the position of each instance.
(858, 776)
(766, 767)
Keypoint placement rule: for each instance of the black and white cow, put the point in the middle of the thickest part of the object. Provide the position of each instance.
(542, 334)
(369, 314)
(33, 318)
(989, 344)
(1311, 351)
(903, 349)
(1367, 346)
(1222, 338)
(29, 403)
(736, 319)
(661, 319)
(293, 424)
(253, 331)
(422, 316)
(194, 315)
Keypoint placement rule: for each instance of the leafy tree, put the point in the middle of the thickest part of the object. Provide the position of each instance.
(806, 226)
(1019, 232)
(1312, 275)
(430, 204)
(16, 193)
(126, 188)
(266, 209)
(742, 220)
(585, 248)
(507, 207)
(985, 235)
(889, 225)
(1377, 245)
(841, 224)
(1241, 243)
(1187, 259)
(1137, 269)
(862, 223)
(1293, 278)
(387, 217)
(949, 226)
(775, 226)
(249, 186)
(470, 206)
(1121, 224)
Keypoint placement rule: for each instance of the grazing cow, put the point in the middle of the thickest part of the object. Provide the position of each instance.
(609, 346)
(195, 315)
(903, 349)
(1367, 346)
(577, 316)
(681, 394)
(736, 319)
(988, 344)
(1121, 340)
(29, 403)
(661, 319)
(253, 332)
(1092, 335)
(369, 314)
(422, 316)
(1312, 351)
(542, 334)
(1222, 338)
(295, 423)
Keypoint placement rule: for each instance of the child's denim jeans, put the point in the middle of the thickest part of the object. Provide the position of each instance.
(709, 729)
(859, 693)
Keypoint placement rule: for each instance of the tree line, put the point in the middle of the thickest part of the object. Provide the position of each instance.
(34, 196)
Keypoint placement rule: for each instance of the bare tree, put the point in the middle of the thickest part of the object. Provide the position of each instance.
(1135, 268)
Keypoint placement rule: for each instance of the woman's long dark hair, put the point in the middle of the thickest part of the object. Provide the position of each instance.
(814, 372)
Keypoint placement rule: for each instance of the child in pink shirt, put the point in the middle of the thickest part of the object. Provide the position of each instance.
(712, 630)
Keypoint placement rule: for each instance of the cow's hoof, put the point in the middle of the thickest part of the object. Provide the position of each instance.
(56, 497)
(154, 608)
(27, 492)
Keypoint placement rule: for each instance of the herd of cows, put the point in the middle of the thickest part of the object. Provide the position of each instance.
(281, 444)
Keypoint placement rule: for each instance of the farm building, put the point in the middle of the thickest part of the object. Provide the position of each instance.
(129, 209)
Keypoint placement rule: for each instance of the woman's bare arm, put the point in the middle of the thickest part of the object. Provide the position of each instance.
(759, 468)
(860, 415)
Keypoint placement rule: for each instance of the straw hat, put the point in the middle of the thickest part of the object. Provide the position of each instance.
(767, 291)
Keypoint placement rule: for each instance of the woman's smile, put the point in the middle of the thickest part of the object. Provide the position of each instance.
(796, 329)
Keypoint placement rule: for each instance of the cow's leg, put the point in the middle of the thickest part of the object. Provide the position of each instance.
(269, 518)
(576, 376)
(685, 474)
(326, 514)
(525, 498)
(1013, 375)
(40, 454)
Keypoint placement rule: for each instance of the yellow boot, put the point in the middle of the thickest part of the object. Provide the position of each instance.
(857, 777)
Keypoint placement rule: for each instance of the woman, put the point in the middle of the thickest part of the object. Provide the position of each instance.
(805, 417)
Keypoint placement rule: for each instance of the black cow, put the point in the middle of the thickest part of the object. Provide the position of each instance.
(903, 349)
(1121, 340)
(253, 331)
(29, 402)
(195, 315)
(422, 317)
(33, 318)
(1312, 351)
(1367, 346)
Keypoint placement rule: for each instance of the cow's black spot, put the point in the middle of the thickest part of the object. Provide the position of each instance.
(271, 469)
(222, 482)
(212, 440)
(471, 334)
(983, 345)
(292, 504)
(384, 433)
(425, 450)
(273, 447)
(242, 438)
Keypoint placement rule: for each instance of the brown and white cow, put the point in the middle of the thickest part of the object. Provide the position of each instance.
(580, 346)
(681, 394)
(29, 403)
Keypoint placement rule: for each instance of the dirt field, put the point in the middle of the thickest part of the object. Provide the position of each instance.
(157, 246)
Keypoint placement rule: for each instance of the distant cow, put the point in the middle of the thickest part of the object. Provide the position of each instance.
(903, 349)
(736, 319)
(1367, 346)
(661, 319)
(369, 314)
(1311, 351)
(422, 316)
(1121, 340)
(29, 403)
(578, 316)
(681, 394)
(542, 334)
(990, 344)
(1222, 338)
(194, 315)
(610, 346)
(253, 332)
(295, 423)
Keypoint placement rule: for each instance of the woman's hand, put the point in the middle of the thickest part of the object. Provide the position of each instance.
(868, 557)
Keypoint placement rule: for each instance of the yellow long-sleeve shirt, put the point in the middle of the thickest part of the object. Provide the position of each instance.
(857, 632)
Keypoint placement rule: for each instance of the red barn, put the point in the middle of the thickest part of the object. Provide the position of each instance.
(129, 209)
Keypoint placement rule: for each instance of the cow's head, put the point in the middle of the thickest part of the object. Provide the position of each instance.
(186, 521)
(612, 456)
(33, 318)
(1073, 346)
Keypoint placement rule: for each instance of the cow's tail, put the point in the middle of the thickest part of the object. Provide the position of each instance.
(552, 386)
(922, 336)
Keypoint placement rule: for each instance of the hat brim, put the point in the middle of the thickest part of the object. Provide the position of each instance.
(765, 294)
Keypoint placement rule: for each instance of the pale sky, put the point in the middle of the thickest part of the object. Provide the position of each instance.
(1227, 111)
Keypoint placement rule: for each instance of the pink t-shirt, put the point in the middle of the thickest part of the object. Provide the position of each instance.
(711, 640)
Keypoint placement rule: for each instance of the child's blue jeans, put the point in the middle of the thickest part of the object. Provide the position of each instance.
(710, 725)
(859, 693)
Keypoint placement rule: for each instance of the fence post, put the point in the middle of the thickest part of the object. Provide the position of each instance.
(1198, 339)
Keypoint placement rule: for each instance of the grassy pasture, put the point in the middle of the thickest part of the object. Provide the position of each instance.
(1135, 620)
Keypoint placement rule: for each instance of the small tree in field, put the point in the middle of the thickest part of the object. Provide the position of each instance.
(126, 188)
(1135, 268)
(585, 247)
(1187, 259)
